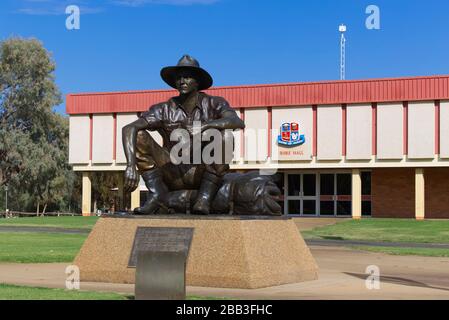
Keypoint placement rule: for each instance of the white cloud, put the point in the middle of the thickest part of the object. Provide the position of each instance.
(54, 7)
(138, 3)
(56, 11)
(57, 7)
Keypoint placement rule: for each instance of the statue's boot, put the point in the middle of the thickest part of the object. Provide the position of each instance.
(208, 189)
(157, 194)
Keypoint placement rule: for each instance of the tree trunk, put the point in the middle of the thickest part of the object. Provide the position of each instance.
(45, 208)
(37, 210)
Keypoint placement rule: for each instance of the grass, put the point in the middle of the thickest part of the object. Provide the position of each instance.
(208, 298)
(427, 252)
(11, 292)
(29, 247)
(60, 222)
(384, 230)
(39, 247)
(33, 247)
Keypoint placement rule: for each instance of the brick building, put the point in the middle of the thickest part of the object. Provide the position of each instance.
(375, 148)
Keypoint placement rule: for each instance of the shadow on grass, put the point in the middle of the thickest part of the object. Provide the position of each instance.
(332, 238)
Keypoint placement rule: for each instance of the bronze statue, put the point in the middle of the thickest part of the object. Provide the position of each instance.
(194, 187)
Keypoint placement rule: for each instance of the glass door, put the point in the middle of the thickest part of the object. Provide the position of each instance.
(327, 194)
(335, 194)
(293, 197)
(301, 198)
(309, 195)
(344, 194)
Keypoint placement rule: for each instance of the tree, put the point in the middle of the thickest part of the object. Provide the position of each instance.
(28, 91)
(34, 139)
(46, 175)
(102, 185)
(11, 143)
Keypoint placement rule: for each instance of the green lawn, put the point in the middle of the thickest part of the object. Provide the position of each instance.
(29, 247)
(388, 230)
(61, 222)
(10, 292)
(39, 247)
(427, 252)
(53, 247)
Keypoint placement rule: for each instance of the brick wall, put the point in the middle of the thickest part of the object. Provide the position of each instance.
(393, 193)
(437, 193)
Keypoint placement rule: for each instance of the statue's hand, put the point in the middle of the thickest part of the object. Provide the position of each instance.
(197, 130)
(131, 179)
(189, 129)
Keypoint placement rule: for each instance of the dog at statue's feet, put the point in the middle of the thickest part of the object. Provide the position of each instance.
(240, 194)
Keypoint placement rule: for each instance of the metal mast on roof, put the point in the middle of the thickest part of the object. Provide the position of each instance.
(342, 30)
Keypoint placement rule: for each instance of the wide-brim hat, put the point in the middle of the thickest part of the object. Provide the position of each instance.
(190, 64)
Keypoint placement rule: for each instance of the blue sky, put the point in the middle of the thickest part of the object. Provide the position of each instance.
(122, 44)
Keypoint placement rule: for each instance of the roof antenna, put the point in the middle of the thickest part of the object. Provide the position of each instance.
(342, 29)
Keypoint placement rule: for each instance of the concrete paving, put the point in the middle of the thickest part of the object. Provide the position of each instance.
(342, 276)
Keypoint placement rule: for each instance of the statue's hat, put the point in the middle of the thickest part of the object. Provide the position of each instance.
(190, 64)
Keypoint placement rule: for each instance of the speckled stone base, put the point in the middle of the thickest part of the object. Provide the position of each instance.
(226, 252)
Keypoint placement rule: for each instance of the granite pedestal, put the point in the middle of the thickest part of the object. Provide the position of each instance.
(226, 251)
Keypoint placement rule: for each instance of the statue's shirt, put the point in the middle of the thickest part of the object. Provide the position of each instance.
(170, 115)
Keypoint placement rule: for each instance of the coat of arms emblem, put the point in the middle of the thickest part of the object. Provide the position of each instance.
(290, 135)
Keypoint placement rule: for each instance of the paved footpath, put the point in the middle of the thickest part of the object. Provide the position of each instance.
(342, 276)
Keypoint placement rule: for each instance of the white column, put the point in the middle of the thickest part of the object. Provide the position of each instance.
(419, 194)
(87, 194)
(356, 194)
(135, 198)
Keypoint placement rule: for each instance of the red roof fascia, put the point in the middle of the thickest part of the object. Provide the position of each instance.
(275, 95)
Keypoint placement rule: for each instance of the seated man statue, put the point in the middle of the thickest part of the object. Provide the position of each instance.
(154, 162)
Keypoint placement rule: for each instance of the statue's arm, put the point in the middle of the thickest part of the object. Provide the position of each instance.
(227, 118)
(129, 140)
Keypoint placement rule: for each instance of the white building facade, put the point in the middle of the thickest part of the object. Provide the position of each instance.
(375, 148)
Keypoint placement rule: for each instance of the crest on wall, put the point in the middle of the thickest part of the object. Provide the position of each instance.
(290, 135)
